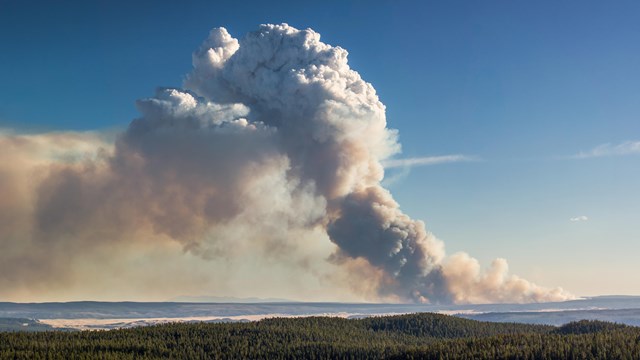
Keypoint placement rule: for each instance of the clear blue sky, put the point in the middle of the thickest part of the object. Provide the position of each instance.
(521, 85)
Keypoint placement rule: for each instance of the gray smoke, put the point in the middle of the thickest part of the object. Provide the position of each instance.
(273, 148)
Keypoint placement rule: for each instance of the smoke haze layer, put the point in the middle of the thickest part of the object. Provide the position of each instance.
(265, 167)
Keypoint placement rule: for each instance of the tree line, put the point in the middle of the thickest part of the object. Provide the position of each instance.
(414, 336)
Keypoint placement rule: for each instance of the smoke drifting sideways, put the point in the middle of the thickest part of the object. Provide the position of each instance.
(265, 168)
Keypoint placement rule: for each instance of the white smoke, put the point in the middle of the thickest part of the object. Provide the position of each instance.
(274, 148)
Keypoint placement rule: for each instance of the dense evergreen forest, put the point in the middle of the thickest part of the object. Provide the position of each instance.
(415, 336)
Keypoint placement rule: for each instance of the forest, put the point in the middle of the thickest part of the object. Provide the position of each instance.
(413, 336)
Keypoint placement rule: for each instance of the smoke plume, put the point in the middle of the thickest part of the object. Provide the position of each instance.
(266, 165)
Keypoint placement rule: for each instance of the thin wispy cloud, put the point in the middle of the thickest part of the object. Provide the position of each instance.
(608, 149)
(426, 160)
(579, 218)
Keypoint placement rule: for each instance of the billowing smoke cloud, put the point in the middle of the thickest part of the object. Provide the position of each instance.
(271, 154)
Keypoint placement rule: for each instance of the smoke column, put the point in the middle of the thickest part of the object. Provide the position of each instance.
(274, 147)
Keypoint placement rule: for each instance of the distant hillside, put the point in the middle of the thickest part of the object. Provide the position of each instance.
(424, 336)
(18, 324)
(227, 299)
(588, 327)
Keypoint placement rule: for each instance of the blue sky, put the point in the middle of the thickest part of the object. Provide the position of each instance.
(522, 86)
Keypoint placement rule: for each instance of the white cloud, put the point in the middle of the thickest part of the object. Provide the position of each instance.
(608, 149)
(579, 218)
(215, 181)
(427, 160)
